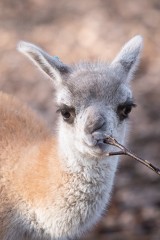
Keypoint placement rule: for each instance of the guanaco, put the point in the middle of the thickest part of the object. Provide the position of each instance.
(57, 188)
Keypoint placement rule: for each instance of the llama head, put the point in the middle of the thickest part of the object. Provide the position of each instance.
(93, 99)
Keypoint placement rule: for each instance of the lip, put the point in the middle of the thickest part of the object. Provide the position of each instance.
(96, 145)
(98, 149)
(90, 141)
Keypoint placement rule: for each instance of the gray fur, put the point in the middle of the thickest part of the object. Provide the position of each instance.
(43, 60)
(94, 90)
(91, 99)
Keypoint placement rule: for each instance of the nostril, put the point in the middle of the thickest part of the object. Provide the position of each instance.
(98, 127)
(95, 125)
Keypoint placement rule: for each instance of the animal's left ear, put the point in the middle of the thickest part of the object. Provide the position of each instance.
(126, 62)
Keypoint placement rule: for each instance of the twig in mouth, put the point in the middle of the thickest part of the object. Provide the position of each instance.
(124, 151)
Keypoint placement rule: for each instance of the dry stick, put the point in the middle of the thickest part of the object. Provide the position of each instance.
(110, 140)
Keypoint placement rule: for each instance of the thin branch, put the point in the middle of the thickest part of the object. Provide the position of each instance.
(124, 151)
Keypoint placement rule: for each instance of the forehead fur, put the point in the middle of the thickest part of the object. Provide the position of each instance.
(93, 81)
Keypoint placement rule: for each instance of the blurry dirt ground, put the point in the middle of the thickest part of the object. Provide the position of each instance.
(94, 29)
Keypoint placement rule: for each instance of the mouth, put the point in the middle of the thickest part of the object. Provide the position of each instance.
(101, 148)
(109, 141)
(97, 147)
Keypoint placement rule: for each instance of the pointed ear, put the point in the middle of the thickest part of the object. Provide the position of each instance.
(51, 66)
(126, 62)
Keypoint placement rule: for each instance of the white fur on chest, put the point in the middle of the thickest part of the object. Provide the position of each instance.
(79, 203)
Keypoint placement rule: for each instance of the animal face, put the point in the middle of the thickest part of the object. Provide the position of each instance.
(93, 99)
(92, 104)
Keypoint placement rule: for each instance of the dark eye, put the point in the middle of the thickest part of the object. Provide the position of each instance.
(67, 112)
(124, 110)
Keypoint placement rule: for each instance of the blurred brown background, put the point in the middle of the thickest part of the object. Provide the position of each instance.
(91, 29)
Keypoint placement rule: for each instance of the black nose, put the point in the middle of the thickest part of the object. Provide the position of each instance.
(95, 124)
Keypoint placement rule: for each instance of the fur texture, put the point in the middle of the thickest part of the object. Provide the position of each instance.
(57, 189)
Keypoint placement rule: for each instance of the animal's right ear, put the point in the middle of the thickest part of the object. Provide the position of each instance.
(51, 66)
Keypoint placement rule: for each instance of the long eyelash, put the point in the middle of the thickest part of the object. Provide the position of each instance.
(129, 103)
(132, 104)
(67, 108)
(60, 108)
